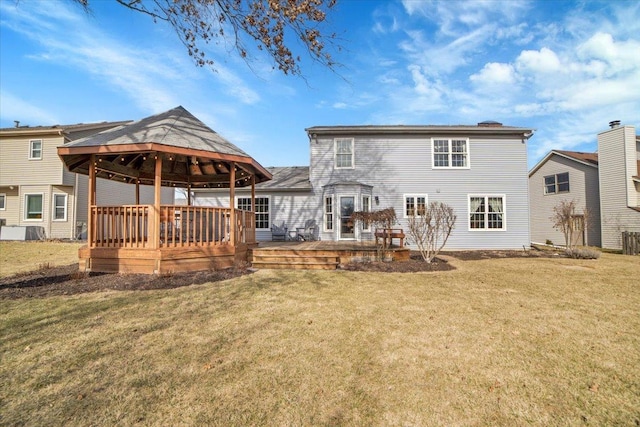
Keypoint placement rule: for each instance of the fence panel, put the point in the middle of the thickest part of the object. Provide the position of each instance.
(631, 243)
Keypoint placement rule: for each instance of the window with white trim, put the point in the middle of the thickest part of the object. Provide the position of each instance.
(328, 213)
(60, 207)
(261, 212)
(366, 207)
(35, 149)
(487, 212)
(33, 207)
(558, 183)
(343, 152)
(415, 205)
(3, 201)
(450, 153)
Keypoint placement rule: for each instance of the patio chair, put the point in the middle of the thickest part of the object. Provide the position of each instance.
(279, 232)
(307, 232)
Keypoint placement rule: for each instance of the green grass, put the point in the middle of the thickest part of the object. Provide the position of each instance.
(19, 257)
(496, 342)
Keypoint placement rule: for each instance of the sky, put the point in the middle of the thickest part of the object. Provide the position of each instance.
(563, 68)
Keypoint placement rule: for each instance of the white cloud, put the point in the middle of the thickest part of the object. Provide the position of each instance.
(538, 61)
(495, 73)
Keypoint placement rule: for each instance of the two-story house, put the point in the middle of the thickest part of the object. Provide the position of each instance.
(39, 197)
(480, 171)
(605, 184)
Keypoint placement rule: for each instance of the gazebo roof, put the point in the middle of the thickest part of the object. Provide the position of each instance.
(193, 154)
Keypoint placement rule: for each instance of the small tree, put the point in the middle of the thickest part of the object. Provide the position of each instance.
(384, 219)
(431, 229)
(569, 221)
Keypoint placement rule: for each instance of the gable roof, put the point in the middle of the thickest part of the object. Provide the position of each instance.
(589, 159)
(287, 178)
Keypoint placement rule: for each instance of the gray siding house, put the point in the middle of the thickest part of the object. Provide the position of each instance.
(481, 171)
(606, 183)
(564, 175)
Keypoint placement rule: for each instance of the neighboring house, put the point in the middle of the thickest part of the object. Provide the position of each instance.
(38, 193)
(619, 164)
(564, 175)
(606, 183)
(481, 171)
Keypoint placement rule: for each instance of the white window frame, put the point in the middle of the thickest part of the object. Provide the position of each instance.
(556, 183)
(268, 222)
(450, 153)
(26, 207)
(31, 156)
(335, 153)
(54, 207)
(415, 203)
(486, 213)
(366, 207)
(3, 201)
(327, 214)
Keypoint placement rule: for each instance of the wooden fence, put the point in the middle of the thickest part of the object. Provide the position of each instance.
(631, 243)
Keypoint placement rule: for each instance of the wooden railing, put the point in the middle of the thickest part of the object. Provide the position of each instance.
(180, 226)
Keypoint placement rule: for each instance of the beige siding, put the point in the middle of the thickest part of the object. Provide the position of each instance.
(61, 229)
(583, 189)
(617, 164)
(11, 213)
(17, 169)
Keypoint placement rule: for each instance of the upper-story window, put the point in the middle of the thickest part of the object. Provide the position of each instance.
(343, 152)
(450, 153)
(558, 183)
(35, 149)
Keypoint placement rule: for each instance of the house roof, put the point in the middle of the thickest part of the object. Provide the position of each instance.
(482, 128)
(70, 132)
(589, 159)
(194, 155)
(287, 178)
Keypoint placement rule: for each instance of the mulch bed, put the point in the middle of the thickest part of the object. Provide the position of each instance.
(67, 280)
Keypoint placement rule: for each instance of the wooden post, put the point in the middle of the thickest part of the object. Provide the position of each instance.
(91, 200)
(137, 191)
(253, 194)
(189, 194)
(232, 203)
(154, 228)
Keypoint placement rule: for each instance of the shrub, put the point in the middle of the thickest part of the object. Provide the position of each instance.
(549, 242)
(583, 253)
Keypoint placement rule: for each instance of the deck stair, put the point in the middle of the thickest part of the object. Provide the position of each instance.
(294, 259)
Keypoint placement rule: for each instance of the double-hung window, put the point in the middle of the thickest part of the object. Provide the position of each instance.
(33, 207)
(487, 212)
(450, 153)
(261, 212)
(343, 152)
(415, 205)
(558, 183)
(328, 213)
(59, 207)
(35, 149)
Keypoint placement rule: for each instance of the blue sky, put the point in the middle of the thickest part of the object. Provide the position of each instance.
(564, 68)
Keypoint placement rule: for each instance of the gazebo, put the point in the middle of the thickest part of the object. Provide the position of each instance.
(171, 149)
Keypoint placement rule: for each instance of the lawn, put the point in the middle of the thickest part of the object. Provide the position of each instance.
(500, 342)
(18, 257)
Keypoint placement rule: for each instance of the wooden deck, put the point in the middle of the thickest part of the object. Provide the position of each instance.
(317, 255)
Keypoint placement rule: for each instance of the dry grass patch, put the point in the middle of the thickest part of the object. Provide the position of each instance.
(495, 342)
(19, 257)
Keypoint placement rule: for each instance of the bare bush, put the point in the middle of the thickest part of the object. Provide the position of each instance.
(583, 253)
(569, 221)
(385, 219)
(431, 230)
